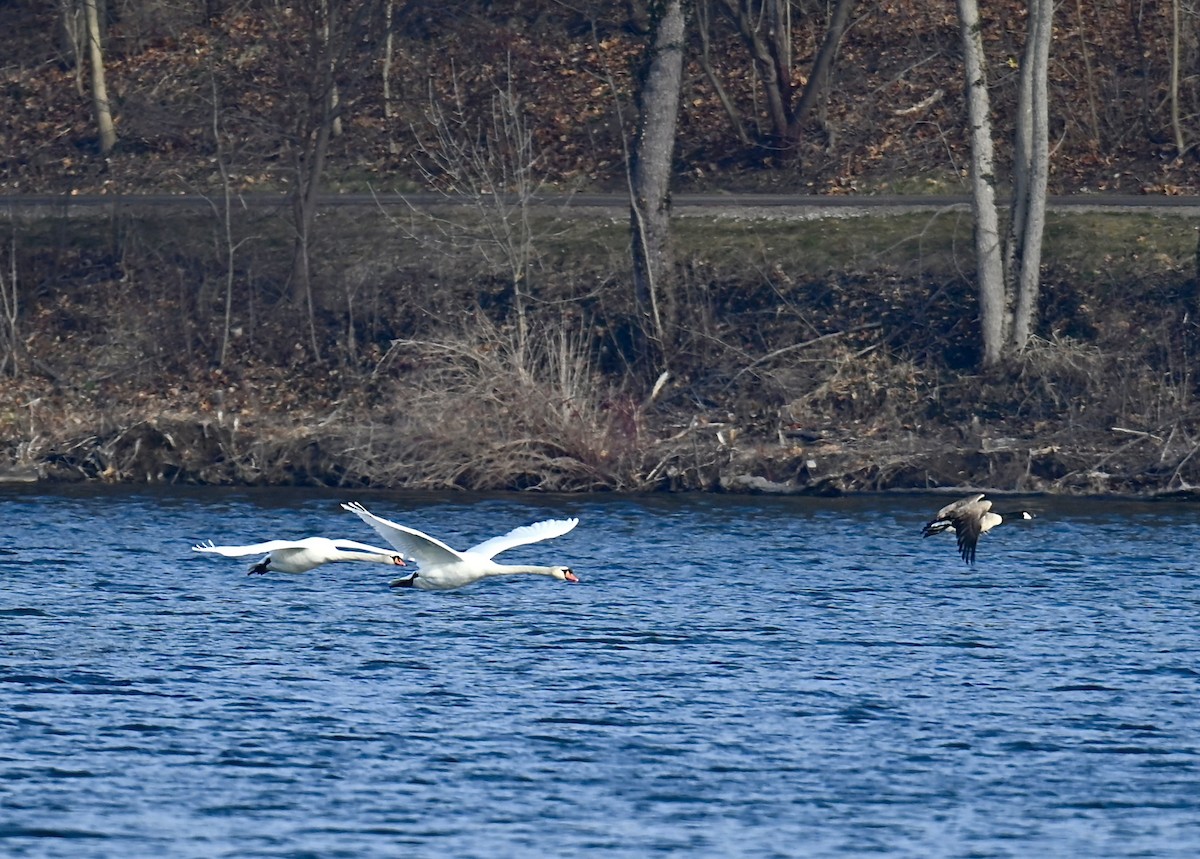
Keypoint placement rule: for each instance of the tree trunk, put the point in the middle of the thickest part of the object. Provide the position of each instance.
(10, 311)
(104, 120)
(74, 21)
(1031, 172)
(776, 80)
(817, 81)
(766, 28)
(1173, 82)
(704, 28)
(650, 209)
(333, 31)
(989, 262)
(310, 166)
(389, 51)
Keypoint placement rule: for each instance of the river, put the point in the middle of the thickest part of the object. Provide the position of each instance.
(732, 677)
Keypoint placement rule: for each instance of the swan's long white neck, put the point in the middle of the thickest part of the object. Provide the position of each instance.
(355, 555)
(517, 569)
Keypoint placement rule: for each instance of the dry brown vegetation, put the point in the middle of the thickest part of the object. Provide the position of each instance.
(496, 348)
(792, 372)
(892, 118)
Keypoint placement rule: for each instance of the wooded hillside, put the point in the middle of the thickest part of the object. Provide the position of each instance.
(499, 345)
(235, 81)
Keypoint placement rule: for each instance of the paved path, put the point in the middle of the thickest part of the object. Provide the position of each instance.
(742, 205)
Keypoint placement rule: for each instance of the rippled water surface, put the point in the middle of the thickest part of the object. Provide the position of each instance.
(731, 678)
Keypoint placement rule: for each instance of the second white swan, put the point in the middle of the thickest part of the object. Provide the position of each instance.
(300, 556)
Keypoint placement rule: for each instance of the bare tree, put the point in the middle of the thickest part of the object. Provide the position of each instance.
(1008, 274)
(650, 175)
(766, 28)
(491, 165)
(224, 214)
(1178, 63)
(75, 33)
(1031, 170)
(10, 314)
(389, 54)
(100, 102)
(313, 129)
(331, 29)
(988, 257)
(704, 27)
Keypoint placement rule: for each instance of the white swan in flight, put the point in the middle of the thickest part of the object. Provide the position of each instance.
(300, 556)
(443, 568)
(971, 518)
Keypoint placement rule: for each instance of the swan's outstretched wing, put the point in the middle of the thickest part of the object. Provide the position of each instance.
(355, 546)
(283, 545)
(545, 530)
(422, 548)
(253, 549)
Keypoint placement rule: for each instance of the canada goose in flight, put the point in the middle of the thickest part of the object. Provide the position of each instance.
(443, 568)
(970, 517)
(300, 556)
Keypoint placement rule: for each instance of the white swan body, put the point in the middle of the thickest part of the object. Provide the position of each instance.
(443, 568)
(300, 556)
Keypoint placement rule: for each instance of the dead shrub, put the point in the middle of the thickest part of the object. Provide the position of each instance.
(471, 409)
(864, 386)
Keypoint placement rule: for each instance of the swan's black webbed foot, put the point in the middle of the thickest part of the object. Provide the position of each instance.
(259, 569)
(406, 582)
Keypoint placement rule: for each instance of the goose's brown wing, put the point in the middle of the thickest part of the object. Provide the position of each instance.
(954, 508)
(956, 512)
(967, 530)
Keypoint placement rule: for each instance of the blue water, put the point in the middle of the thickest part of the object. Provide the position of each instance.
(731, 678)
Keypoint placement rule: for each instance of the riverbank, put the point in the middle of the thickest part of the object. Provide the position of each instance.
(809, 356)
(704, 456)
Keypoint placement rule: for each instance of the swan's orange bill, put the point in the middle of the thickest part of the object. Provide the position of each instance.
(571, 577)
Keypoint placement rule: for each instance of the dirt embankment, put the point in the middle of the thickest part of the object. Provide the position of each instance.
(803, 356)
(702, 456)
(413, 370)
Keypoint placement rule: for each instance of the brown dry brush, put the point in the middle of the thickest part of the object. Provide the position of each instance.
(421, 382)
(464, 407)
(469, 408)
